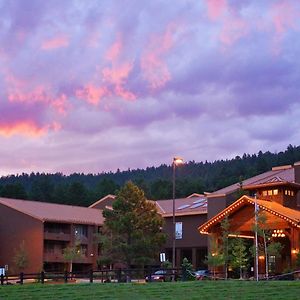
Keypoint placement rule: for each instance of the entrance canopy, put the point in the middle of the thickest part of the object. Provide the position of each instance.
(291, 216)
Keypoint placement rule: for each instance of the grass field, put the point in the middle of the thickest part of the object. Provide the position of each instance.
(165, 290)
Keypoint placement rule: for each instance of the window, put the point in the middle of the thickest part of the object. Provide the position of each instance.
(272, 265)
(269, 192)
(275, 192)
(81, 230)
(49, 247)
(289, 193)
(83, 250)
(265, 193)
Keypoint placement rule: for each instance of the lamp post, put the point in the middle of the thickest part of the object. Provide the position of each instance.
(176, 161)
(256, 237)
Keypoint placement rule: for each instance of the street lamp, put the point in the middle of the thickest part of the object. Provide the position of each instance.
(176, 161)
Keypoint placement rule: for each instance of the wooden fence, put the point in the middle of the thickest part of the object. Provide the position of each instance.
(101, 276)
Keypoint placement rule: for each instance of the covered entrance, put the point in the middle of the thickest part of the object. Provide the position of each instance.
(281, 223)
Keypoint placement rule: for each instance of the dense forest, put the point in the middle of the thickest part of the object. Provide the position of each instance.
(192, 177)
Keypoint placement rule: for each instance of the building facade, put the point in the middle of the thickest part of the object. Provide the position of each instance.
(45, 230)
(274, 194)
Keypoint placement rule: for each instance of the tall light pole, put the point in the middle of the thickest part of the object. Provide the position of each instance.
(176, 161)
(256, 237)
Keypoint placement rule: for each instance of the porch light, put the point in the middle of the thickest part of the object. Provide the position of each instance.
(261, 257)
(278, 233)
(295, 251)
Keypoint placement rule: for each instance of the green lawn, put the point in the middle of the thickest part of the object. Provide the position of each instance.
(165, 290)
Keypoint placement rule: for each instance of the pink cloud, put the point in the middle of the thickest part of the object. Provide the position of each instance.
(155, 69)
(284, 15)
(120, 91)
(92, 94)
(216, 8)
(22, 91)
(232, 30)
(25, 128)
(117, 74)
(113, 76)
(60, 41)
(60, 104)
(114, 51)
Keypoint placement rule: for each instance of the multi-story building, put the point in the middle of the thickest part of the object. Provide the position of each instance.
(189, 213)
(276, 194)
(45, 230)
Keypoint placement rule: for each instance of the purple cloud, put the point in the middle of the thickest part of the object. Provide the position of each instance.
(94, 86)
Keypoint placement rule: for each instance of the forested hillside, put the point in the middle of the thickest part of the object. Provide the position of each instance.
(192, 177)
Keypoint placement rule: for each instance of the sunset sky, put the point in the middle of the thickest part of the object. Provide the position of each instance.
(92, 86)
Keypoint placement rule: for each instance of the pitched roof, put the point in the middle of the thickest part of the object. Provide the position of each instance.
(285, 173)
(290, 215)
(107, 197)
(55, 212)
(183, 206)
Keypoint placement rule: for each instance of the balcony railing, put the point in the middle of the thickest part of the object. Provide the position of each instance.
(57, 236)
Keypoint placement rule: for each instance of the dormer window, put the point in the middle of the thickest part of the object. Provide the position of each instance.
(289, 193)
(270, 192)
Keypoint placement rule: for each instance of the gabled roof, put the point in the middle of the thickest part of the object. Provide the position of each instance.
(50, 212)
(290, 215)
(195, 204)
(285, 173)
(109, 196)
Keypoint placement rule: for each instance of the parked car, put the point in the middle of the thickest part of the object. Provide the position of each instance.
(202, 274)
(160, 275)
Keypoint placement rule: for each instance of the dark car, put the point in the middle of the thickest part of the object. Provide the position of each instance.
(202, 274)
(160, 275)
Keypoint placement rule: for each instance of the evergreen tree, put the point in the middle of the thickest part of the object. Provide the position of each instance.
(215, 257)
(132, 229)
(239, 256)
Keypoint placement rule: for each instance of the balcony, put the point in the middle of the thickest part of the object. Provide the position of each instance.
(58, 257)
(55, 236)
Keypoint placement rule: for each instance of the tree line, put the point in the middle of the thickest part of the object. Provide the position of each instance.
(156, 182)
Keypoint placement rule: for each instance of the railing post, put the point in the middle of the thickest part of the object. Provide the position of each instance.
(21, 277)
(91, 276)
(66, 276)
(42, 277)
(2, 279)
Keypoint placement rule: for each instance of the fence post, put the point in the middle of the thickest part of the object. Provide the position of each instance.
(66, 277)
(119, 274)
(149, 274)
(184, 273)
(2, 279)
(42, 277)
(91, 276)
(21, 277)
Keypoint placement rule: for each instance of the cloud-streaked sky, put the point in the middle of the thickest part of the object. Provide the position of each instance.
(92, 86)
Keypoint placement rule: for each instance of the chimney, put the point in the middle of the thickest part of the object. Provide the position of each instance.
(297, 171)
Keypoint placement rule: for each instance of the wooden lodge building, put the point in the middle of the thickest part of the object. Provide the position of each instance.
(45, 230)
(189, 212)
(48, 228)
(276, 193)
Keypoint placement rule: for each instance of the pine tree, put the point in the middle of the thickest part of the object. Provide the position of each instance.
(132, 229)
